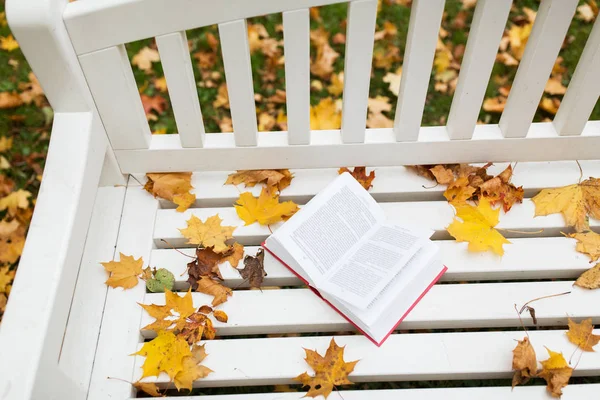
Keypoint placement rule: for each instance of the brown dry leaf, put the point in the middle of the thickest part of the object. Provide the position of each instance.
(123, 273)
(555, 86)
(590, 279)
(222, 99)
(459, 191)
(172, 186)
(6, 278)
(393, 80)
(325, 115)
(272, 178)
(10, 100)
(442, 174)
(205, 309)
(157, 103)
(254, 269)
(476, 226)
(322, 65)
(148, 388)
(191, 369)
(576, 202)
(494, 104)
(360, 174)
(165, 353)
(209, 233)
(8, 43)
(234, 255)
(556, 372)
(524, 362)
(144, 59)
(587, 243)
(581, 334)
(338, 38)
(330, 371)
(500, 190)
(220, 316)
(337, 84)
(206, 264)
(265, 209)
(549, 104)
(213, 288)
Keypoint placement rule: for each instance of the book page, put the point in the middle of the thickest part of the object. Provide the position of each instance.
(331, 224)
(369, 267)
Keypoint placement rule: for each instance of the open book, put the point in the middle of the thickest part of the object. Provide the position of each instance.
(372, 271)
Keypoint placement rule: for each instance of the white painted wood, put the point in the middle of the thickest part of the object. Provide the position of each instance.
(111, 172)
(525, 258)
(486, 31)
(85, 317)
(36, 315)
(360, 33)
(436, 215)
(477, 355)
(380, 149)
(444, 307)
(177, 65)
(425, 20)
(549, 30)
(119, 335)
(584, 89)
(96, 25)
(110, 79)
(238, 73)
(537, 392)
(296, 42)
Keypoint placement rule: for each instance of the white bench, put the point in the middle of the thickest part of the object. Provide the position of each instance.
(64, 332)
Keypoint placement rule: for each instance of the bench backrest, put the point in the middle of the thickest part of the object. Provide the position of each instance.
(99, 29)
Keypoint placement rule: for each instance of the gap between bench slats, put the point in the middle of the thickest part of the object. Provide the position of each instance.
(427, 356)
(456, 306)
(532, 258)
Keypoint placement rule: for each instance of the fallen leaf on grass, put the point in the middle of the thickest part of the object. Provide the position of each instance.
(10, 100)
(524, 362)
(265, 209)
(330, 371)
(254, 269)
(156, 103)
(337, 84)
(325, 115)
(555, 86)
(393, 80)
(590, 279)
(8, 43)
(148, 388)
(14, 201)
(587, 243)
(360, 174)
(549, 104)
(273, 178)
(172, 186)
(144, 59)
(6, 278)
(165, 353)
(123, 273)
(209, 233)
(581, 334)
(213, 288)
(476, 226)
(556, 372)
(12, 241)
(587, 12)
(322, 65)
(575, 202)
(494, 104)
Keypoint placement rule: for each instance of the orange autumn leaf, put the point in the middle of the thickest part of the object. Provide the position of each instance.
(12, 241)
(277, 178)
(192, 370)
(524, 362)
(494, 104)
(172, 186)
(155, 104)
(266, 209)
(500, 190)
(209, 233)
(220, 316)
(125, 272)
(557, 372)
(360, 174)
(330, 371)
(581, 334)
(219, 292)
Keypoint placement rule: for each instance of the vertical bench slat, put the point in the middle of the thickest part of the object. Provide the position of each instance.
(425, 20)
(549, 30)
(488, 24)
(238, 73)
(177, 65)
(357, 69)
(296, 42)
(110, 79)
(584, 89)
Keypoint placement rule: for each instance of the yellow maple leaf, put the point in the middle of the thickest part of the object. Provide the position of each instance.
(5, 143)
(393, 80)
(265, 209)
(123, 273)
(524, 362)
(172, 186)
(222, 99)
(337, 84)
(549, 104)
(144, 59)
(590, 279)
(209, 233)
(325, 115)
(173, 315)
(148, 388)
(360, 174)
(6, 278)
(477, 227)
(191, 369)
(575, 202)
(14, 201)
(518, 37)
(213, 288)
(165, 353)
(279, 178)
(330, 371)
(8, 43)
(587, 243)
(459, 191)
(556, 372)
(581, 334)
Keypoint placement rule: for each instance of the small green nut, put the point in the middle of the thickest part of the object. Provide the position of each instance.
(163, 279)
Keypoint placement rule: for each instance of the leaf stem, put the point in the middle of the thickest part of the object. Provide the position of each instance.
(177, 250)
(523, 232)
(540, 298)
(580, 171)
(520, 320)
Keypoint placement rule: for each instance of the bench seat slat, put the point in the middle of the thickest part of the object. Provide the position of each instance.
(427, 356)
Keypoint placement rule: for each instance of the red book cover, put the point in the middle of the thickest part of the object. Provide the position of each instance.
(315, 291)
